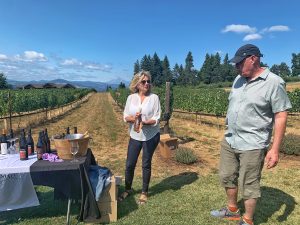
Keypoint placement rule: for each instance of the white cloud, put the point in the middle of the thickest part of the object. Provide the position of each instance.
(85, 65)
(32, 65)
(278, 28)
(239, 28)
(31, 56)
(34, 56)
(251, 37)
(3, 57)
(93, 67)
(71, 62)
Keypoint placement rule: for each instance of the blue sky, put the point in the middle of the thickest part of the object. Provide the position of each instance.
(99, 40)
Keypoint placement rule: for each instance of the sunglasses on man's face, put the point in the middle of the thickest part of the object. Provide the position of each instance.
(145, 81)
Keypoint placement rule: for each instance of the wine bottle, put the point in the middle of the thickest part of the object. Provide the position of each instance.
(30, 143)
(11, 134)
(23, 146)
(39, 147)
(4, 143)
(47, 140)
(44, 142)
(137, 121)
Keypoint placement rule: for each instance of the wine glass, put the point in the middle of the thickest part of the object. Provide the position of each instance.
(74, 149)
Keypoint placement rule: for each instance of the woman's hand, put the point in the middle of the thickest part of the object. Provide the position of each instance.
(130, 119)
(149, 122)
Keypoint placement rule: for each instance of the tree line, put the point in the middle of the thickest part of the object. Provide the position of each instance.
(3, 82)
(213, 70)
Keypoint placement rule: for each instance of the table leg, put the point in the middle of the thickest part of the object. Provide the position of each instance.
(68, 212)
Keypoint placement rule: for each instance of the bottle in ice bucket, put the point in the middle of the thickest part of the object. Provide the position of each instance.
(39, 147)
(44, 142)
(11, 134)
(137, 122)
(30, 143)
(12, 145)
(23, 146)
(4, 143)
(47, 140)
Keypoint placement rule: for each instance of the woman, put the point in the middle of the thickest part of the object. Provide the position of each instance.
(143, 105)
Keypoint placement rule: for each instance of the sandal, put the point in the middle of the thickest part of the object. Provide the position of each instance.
(143, 198)
(124, 195)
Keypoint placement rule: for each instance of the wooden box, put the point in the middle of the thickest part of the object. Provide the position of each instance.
(167, 145)
(108, 204)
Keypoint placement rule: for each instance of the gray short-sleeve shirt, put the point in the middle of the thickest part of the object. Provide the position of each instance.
(251, 110)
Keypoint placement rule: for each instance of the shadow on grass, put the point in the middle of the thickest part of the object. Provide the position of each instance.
(128, 205)
(175, 182)
(48, 208)
(271, 201)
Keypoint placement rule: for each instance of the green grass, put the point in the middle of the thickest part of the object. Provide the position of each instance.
(186, 199)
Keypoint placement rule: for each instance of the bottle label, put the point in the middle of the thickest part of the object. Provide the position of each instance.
(23, 154)
(137, 124)
(39, 153)
(30, 150)
(4, 148)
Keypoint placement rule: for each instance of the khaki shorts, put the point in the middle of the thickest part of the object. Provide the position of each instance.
(241, 169)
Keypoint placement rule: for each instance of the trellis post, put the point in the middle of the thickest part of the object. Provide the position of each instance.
(167, 107)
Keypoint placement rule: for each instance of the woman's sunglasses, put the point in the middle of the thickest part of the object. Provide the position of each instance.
(145, 81)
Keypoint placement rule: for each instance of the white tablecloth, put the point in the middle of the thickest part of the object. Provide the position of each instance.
(16, 187)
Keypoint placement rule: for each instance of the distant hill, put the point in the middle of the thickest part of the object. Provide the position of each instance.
(99, 86)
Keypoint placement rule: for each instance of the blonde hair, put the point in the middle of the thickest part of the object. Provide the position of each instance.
(137, 78)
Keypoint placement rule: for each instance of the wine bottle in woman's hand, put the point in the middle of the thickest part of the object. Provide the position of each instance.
(138, 121)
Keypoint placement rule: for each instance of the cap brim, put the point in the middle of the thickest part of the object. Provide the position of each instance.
(236, 59)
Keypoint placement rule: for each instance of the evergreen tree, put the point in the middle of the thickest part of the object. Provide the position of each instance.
(205, 69)
(3, 81)
(146, 63)
(295, 64)
(181, 77)
(122, 85)
(189, 62)
(189, 75)
(137, 67)
(166, 72)
(228, 71)
(156, 71)
(175, 73)
(281, 70)
(216, 68)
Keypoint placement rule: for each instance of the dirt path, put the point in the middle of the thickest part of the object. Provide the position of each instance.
(98, 117)
(103, 119)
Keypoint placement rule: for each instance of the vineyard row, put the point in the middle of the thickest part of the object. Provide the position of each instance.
(20, 101)
(212, 101)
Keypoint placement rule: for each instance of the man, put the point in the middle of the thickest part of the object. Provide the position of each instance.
(257, 103)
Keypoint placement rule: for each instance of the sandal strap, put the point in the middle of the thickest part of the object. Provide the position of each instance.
(125, 194)
(143, 198)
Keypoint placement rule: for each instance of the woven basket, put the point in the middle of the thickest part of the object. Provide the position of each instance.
(63, 147)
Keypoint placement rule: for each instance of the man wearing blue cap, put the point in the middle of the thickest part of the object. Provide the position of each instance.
(257, 103)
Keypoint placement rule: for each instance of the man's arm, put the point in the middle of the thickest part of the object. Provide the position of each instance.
(272, 156)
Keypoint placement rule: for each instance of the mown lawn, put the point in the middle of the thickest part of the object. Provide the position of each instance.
(186, 198)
